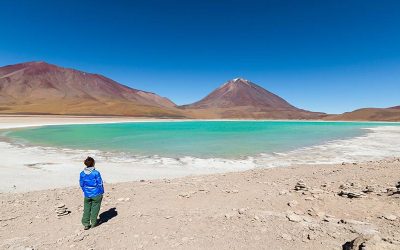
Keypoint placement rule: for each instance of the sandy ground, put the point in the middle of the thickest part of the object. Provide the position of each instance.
(255, 209)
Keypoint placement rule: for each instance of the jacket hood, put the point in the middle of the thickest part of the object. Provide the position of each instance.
(88, 170)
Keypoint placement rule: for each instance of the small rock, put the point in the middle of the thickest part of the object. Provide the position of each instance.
(300, 186)
(330, 218)
(391, 190)
(61, 205)
(311, 236)
(294, 218)
(241, 210)
(351, 194)
(368, 242)
(292, 203)
(283, 192)
(369, 189)
(184, 195)
(390, 217)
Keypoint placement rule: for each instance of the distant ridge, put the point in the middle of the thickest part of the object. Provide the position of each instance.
(369, 114)
(42, 88)
(240, 98)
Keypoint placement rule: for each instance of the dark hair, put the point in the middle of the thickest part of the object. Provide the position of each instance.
(89, 162)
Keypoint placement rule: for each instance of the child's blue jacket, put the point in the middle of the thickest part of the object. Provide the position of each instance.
(91, 183)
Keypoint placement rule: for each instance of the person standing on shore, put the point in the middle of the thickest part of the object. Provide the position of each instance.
(93, 190)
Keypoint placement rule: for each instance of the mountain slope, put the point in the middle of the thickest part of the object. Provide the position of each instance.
(240, 92)
(240, 98)
(39, 87)
(369, 114)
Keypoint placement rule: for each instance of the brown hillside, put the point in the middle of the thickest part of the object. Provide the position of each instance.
(369, 114)
(39, 87)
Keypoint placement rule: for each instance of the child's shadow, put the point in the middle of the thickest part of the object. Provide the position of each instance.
(108, 215)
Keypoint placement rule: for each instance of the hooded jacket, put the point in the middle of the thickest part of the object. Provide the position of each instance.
(91, 182)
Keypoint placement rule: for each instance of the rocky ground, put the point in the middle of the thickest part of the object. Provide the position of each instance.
(349, 206)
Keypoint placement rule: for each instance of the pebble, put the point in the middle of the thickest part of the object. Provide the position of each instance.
(364, 242)
(283, 192)
(369, 189)
(185, 195)
(390, 217)
(292, 203)
(294, 218)
(300, 186)
(351, 194)
(61, 210)
(61, 205)
(312, 236)
(241, 210)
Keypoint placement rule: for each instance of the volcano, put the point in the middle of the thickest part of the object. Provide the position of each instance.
(240, 98)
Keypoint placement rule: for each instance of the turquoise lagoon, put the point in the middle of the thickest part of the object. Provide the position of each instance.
(200, 139)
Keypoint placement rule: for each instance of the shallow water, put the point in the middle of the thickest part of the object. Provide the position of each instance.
(51, 157)
(200, 139)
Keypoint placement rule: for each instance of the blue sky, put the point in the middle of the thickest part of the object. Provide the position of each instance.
(331, 56)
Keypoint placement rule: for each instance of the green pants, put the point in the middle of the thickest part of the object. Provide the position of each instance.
(91, 209)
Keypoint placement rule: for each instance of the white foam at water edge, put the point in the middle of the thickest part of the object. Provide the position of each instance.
(27, 168)
(378, 143)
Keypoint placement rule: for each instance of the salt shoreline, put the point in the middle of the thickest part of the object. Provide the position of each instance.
(38, 168)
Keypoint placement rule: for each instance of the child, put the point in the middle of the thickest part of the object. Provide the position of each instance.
(93, 190)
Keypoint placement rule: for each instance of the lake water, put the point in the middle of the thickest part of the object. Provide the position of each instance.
(200, 139)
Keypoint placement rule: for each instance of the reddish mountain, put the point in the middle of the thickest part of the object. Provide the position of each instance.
(39, 87)
(369, 114)
(240, 98)
(397, 107)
